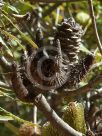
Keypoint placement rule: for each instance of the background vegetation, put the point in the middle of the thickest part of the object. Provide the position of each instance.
(18, 24)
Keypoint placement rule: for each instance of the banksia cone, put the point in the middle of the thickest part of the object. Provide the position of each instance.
(69, 33)
(47, 69)
(78, 71)
(23, 88)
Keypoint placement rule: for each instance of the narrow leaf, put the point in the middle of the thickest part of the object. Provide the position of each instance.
(13, 37)
(11, 127)
(8, 51)
(28, 39)
(6, 94)
(16, 117)
(5, 118)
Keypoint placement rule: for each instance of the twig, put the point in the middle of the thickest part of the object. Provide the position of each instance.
(96, 96)
(35, 114)
(54, 1)
(35, 117)
(87, 26)
(98, 134)
(94, 25)
(96, 65)
(42, 104)
(57, 16)
(81, 90)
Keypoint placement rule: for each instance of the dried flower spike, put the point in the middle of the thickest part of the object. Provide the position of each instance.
(69, 33)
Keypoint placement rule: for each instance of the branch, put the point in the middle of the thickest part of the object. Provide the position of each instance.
(42, 104)
(92, 83)
(94, 25)
(55, 1)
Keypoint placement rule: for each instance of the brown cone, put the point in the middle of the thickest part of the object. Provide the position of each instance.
(69, 33)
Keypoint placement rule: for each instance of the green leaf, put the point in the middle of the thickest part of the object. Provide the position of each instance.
(7, 50)
(13, 8)
(5, 118)
(28, 39)
(27, 4)
(9, 8)
(11, 127)
(13, 37)
(2, 42)
(6, 94)
(5, 89)
(16, 117)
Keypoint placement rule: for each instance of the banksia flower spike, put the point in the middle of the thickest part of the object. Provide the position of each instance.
(73, 115)
(49, 130)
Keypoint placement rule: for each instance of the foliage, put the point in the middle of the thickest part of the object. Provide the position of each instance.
(18, 24)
